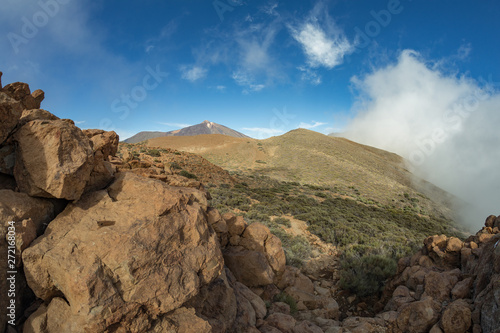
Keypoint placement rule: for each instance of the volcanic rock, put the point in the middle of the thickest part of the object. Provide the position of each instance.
(122, 257)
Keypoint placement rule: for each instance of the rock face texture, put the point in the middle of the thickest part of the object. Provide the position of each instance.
(122, 257)
(54, 159)
(449, 285)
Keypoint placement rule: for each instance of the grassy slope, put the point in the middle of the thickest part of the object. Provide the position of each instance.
(312, 158)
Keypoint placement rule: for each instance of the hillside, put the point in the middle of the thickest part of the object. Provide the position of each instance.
(309, 157)
(206, 127)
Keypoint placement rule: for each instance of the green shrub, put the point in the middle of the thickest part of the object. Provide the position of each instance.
(174, 165)
(186, 174)
(285, 298)
(284, 221)
(366, 275)
(154, 153)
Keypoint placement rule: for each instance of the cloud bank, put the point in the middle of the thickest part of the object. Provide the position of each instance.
(444, 125)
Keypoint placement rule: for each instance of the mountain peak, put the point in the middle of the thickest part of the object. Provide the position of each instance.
(206, 127)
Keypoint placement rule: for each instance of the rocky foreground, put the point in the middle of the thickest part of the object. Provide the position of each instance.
(101, 247)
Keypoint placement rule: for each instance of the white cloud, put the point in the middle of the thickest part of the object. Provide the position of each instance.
(80, 122)
(244, 79)
(221, 88)
(309, 75)
(179, 125)
(320, 48)
(313, 125)
(445, 125)
(193, 73)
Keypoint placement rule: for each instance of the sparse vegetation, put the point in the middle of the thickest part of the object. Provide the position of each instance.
(371, 236)
(153, 152)
(285, 298)
(186, 174)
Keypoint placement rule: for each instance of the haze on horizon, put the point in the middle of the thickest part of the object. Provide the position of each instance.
(419, 78)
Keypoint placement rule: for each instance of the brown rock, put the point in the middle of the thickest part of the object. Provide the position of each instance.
(485, 237)
(454, 245)
(436, 329)
(35, 114)
(490, 221)
(439, 285)
(268, 329)
(235, 224)
(181, 320)
(293, 277)
(216, 303)
(254, 237)
(10, 112)
(103, 141)
(53, 159)
(456, 317)
(37, 322)
(30, 216)
(15, 206)
(462, 289)
(285, 323)
(21, 92)
(306, 327)
(275, 254)
(279, 307)
(122, 257)
(496, 224)
(249, 267)
(418, 317)
(257, 303)
(489, 306)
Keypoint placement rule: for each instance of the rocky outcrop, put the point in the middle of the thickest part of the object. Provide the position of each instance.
(121, 257)
(254, 255)
(448, 286)
(29, 217)
(50, 157)
(54, 159)
(10, 112)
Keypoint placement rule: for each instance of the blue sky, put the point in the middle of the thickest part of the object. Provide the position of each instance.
(260, 67)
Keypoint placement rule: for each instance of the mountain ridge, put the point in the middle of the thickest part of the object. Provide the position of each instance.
(205, 127)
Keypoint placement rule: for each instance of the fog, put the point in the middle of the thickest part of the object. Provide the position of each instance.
(446, 125)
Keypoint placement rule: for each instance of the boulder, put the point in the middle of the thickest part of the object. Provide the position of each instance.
(257, 303)
(216, 303)
(104, 144)
(249, 267)
(35, 114)
(21, 92)
(284, 323)
(418, 317)
(439, 285)
(456, 317)
(10, 112)
(15, 206)
(306, 327)
(54, 159)
(122, 257)
(235, 224)
(182, 320)
(462, 289)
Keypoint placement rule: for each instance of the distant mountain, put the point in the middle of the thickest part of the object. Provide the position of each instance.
(206, 127)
